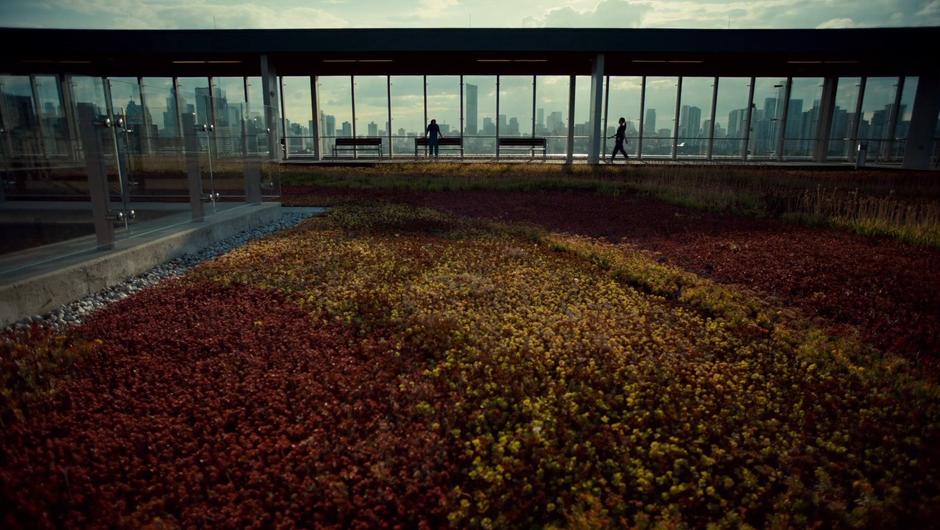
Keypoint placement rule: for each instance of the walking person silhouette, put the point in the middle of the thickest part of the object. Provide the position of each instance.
(621, 137)
(433, 133)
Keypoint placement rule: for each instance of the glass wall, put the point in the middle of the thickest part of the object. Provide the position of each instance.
(479, 100)
(765, 118)
(551, 112)
(19, 117)
(298, 115)
(904, 117)
(335, 98)
(582, 114)
(802, 117)
(407, 113)
(731, 117)
(444, 103)
(660, 115)
(52, 117)
(877, 104)
(843, 118)
(695, 117)
(255, 127)
(515, 105)
(372, 108)
(624, 102)
(229, 101)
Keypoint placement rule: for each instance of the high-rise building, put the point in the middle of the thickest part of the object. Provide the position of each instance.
(737, 121)
(555, 124)
(373, 129)
(649, 124)
(346, 130)
(328, 123)
(513, 129)
(690, 119)
(489, 127)
(471, 117)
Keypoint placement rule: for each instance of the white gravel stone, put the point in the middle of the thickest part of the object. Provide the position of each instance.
(75, 312)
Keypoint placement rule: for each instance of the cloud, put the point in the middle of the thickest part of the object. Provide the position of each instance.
(837, 23)
(741, 14)
(174, 14)
(434, 9)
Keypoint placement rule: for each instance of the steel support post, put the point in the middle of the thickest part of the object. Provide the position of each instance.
(96, 168)
(193, 172)
(827, 105)
(782, 123)
(597, 93)
(270, 98)
(919, 147)
(569, 145)
(711, 127)
(745, 147)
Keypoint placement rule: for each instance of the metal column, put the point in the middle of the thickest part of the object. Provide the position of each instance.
(352, 98)
(606, 112)
(858, 118)
(97, 176)
(461, 117)
(827, 105)
(315, 111)
(639, 140)
(745, 148)
(496, 140)
(569, 146)
(711, 128)
(597, 87)
(888, 141)
(270, 98)
(675, 125)
(534, 88)
(919, 147)
(388, 95)
(193, 173)
(782, 125)
(67, 98)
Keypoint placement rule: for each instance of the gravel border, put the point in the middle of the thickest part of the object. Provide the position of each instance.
(75, 312)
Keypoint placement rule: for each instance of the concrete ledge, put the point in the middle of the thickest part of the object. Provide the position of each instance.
(41, 288)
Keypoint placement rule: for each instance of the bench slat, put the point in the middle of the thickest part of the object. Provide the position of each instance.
(441, 141)
(358, 141)
(521, 142)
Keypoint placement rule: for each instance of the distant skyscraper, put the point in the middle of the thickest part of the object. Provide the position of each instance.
(489, 128)
(328, 123)
(471, 117)
(373, 129)
(503, 125)
(347, 129)
(555, 124)
(690, 118)
(513, 129)
(736, 122)
(649, 124)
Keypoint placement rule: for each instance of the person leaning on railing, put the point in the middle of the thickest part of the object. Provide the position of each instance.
(433, 132)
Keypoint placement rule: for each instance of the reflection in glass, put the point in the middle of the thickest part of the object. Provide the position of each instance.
(125, 101)
(695, 117)
(479, 115)
(582, 114)
(515, 105)
(624, 101)
(660, 115)
(877, 106)
(52, 117)
(904, 117)
(802, 117)
(372, 108)
(730, 117)
(551, 111)
(767, 112)
(298, 114)
(164, 144)
(444, 103)
(229, 101)
(843, 118)
(19, 117)
(407, 112)
(255, 127)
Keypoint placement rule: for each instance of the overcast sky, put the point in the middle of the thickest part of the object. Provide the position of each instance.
(468, 13)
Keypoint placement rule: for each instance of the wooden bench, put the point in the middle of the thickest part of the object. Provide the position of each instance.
(353, 144)
(447, 141)
(516, 142)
